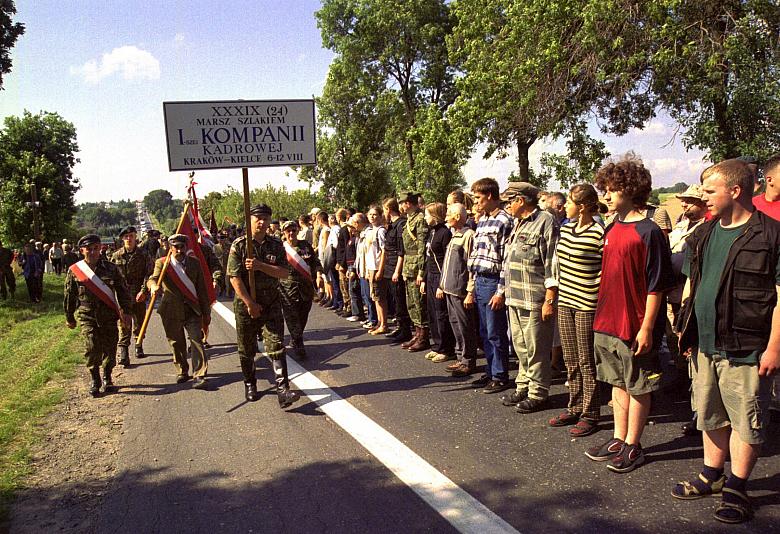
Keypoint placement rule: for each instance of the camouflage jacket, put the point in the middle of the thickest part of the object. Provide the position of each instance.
(82, 303)
(415, 234)
(270, 251)
(135, 266)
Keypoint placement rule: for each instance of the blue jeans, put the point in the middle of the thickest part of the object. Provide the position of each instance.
(492, 329)
(338, 298)
(365, 290)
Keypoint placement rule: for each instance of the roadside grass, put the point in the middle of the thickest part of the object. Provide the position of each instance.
(36, 351)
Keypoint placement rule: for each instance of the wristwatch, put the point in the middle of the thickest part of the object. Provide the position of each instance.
(549, 301)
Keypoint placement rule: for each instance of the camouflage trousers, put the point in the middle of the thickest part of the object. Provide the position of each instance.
(296, 310)
(418, 313)
(99, 345)
(137, 314)
(270, 325)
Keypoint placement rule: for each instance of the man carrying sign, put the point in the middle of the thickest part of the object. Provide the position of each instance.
(264, 316)
(96, 294)
(186, 307)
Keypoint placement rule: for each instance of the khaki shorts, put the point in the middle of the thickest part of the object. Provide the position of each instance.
(617, 365)
(378, 288)
(731, 395)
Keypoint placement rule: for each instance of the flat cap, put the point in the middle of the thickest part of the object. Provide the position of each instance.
(515, 189)
(89, 239)
(408, 196)
(261, 209)
(127, 230)
(177, 239)
(289, 224)
(694, 191)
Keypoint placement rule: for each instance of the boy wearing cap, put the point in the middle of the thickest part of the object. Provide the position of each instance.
(263, 315)
(297, 290)
(136, 266)
(96, 295)
(415, 235)
(629, 324)
(185, 307)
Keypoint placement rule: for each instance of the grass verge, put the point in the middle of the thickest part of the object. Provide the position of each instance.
(36, 349)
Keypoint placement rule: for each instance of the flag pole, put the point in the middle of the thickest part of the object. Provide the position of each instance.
(250, 253)
(142, 331)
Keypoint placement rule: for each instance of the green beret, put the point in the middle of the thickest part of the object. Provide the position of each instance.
(407, 196)
(127, 230)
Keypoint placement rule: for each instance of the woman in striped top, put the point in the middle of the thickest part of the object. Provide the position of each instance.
(578, 270)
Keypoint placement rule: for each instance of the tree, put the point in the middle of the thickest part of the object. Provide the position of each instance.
(535, 69)
(159, 203)
(10, 31)
(397, 52)
(37, 152)
(714, 66)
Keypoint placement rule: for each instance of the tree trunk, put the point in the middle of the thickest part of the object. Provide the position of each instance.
(523, 165)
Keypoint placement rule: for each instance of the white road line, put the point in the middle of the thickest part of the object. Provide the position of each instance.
(460, 509)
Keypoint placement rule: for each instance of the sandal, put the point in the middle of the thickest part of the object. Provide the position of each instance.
(378, 330)
(584, 427)
(564, 419)
(734, 512)
(687, 490)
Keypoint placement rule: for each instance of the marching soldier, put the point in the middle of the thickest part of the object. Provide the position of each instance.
(297, 290)
(96, 294)
(264, 316)
(184, 307)
(136, 266)
(415, 235)
(7, 276)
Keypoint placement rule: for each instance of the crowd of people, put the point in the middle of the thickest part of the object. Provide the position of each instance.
(607, 288)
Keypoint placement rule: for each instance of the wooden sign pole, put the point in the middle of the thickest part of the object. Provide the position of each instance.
(250, 253)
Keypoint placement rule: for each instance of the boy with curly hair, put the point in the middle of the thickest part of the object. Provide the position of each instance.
(628, 326)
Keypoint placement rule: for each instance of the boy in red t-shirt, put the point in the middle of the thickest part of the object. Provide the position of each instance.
(636, 271)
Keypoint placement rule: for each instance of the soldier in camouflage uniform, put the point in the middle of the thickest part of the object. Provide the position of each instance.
(136, 266)
(7, 277)
(415, 235)
(180, 314)
(297, 290)
(96, 318)
(264, 316)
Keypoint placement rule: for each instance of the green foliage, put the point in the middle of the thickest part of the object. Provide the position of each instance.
(391, 72)
(583, 158)
(37, 150)
(37, 350)
(715, 67)
(10, 31)
(104, 218)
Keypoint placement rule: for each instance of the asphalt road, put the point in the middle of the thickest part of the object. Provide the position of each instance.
(206, 461)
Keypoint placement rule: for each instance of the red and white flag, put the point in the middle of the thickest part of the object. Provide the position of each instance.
(96, 286)
(195, 251)
(298, 263)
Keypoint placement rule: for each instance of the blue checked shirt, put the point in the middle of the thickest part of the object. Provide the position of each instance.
(487, 253)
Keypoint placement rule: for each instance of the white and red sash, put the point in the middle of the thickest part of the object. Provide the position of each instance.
(96, 286)
(298, 263)
(182, 281)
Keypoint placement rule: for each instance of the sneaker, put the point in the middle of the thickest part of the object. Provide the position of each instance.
(605, 451)
(497, 386)
(430, 355)
(629, 458)
(366, 324)
(369, 326)
(353, 319)
(481, 382)
(513, 398)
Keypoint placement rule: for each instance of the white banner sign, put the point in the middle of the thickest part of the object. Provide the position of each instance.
(239, 133)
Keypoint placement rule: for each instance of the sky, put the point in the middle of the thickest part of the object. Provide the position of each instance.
(107, 66)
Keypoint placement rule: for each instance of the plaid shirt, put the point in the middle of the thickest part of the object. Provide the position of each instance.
(528, 265)
(487, 253)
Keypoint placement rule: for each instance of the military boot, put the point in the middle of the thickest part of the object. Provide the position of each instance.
(404, 334)
(300, 350)
(250, 391)
(123, 357)
(422, 342)
(94, 386)
(413, 339)
(283, 392)
(139, 351)
(108, 383)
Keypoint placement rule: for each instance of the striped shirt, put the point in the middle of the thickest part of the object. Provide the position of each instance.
(487, 254)
(578, 266)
